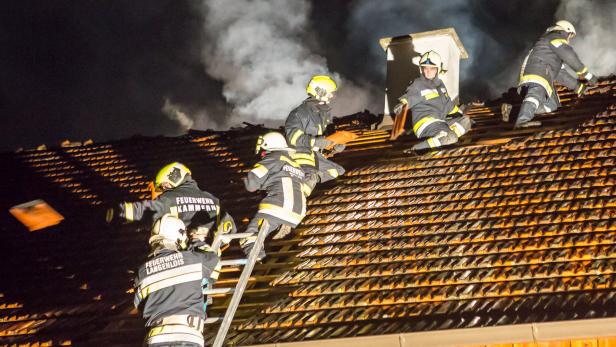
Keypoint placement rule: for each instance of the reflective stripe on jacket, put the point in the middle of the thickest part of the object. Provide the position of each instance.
(171, 283)
(428, 102)
(546, 61)
(196, 208)
(305, 123)
(284, 181)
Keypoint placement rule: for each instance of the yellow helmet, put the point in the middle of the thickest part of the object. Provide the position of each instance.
(173, 173)
(321, 85)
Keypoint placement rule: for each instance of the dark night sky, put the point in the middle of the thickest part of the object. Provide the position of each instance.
(101, 69)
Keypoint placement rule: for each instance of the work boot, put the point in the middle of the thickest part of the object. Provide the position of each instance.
(282, 232)
(529, 124)
(414, 152)
(506, 111)
(247, 248)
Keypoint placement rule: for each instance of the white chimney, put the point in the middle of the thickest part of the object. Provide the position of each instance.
(401, 70)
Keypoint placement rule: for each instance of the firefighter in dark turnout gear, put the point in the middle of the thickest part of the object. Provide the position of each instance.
(545, 63)
(284, 181)
(305, 128)
(169, 286)
(435, 116)
(182, 198)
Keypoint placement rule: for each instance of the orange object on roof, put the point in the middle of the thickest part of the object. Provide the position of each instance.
(36, 215)
(341, 137)
(155, 192)
(399, 121)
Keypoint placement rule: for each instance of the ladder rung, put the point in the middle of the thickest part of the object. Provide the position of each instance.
(232, 262)
(237, 236)
(218, 291)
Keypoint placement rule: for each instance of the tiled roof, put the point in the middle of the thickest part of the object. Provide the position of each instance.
(508, 227)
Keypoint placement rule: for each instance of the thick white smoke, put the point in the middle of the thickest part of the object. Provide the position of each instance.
(256, 48)
(595, 23)
(173, 111)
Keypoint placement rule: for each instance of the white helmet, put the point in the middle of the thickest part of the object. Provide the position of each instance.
(430, 58)
(563, 25)
(273, 141)
(169, 232)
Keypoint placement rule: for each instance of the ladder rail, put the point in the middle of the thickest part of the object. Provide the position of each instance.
(241, 284)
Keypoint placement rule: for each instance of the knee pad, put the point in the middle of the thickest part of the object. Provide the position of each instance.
(461, 126)
(443, 138)
(450, 138)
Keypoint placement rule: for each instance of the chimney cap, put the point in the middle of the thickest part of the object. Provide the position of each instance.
(387, 41)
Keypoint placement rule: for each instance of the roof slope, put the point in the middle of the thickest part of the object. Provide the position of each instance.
(475, 236)
(509, 227)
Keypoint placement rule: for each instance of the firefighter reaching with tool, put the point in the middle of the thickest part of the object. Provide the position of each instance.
(545, 63)
(305, 132)
(168, 286)
(284, 181)
(436, 118)
(182, 198)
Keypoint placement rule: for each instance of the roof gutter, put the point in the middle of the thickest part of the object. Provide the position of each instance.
(533, 332)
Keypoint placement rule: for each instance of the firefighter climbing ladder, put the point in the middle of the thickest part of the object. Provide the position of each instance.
(238, 291)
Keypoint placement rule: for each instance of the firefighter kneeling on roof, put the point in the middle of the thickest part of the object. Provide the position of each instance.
(545, 63)
(284, 181)
(435, 117)
(305, 131)
(168, 287)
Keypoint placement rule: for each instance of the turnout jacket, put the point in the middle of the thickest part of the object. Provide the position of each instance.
(196, 208)
(428, 102)
(305, 123)
(171, 283)
(546, 62)
(283, 180)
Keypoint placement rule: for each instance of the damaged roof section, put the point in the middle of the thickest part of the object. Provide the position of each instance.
(508, 227)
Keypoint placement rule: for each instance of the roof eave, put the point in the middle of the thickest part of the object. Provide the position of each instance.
(533, 332)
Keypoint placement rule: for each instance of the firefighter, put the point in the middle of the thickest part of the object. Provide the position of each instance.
(168, 286)
(545, 63)
(435, 117)
(305, 128)
(284, 182)
(182, 198)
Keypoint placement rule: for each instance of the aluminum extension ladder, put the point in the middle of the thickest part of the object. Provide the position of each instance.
(238, 291)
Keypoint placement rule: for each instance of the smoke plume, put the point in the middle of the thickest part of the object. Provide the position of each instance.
(496, 35)
(258, 50)
(174, 112)
(595, 23)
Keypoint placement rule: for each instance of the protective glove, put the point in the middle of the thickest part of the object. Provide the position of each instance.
(199, 234)
(400, 106)
(338, 148)
(322, 142)
(581, 89)
(591, 79)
